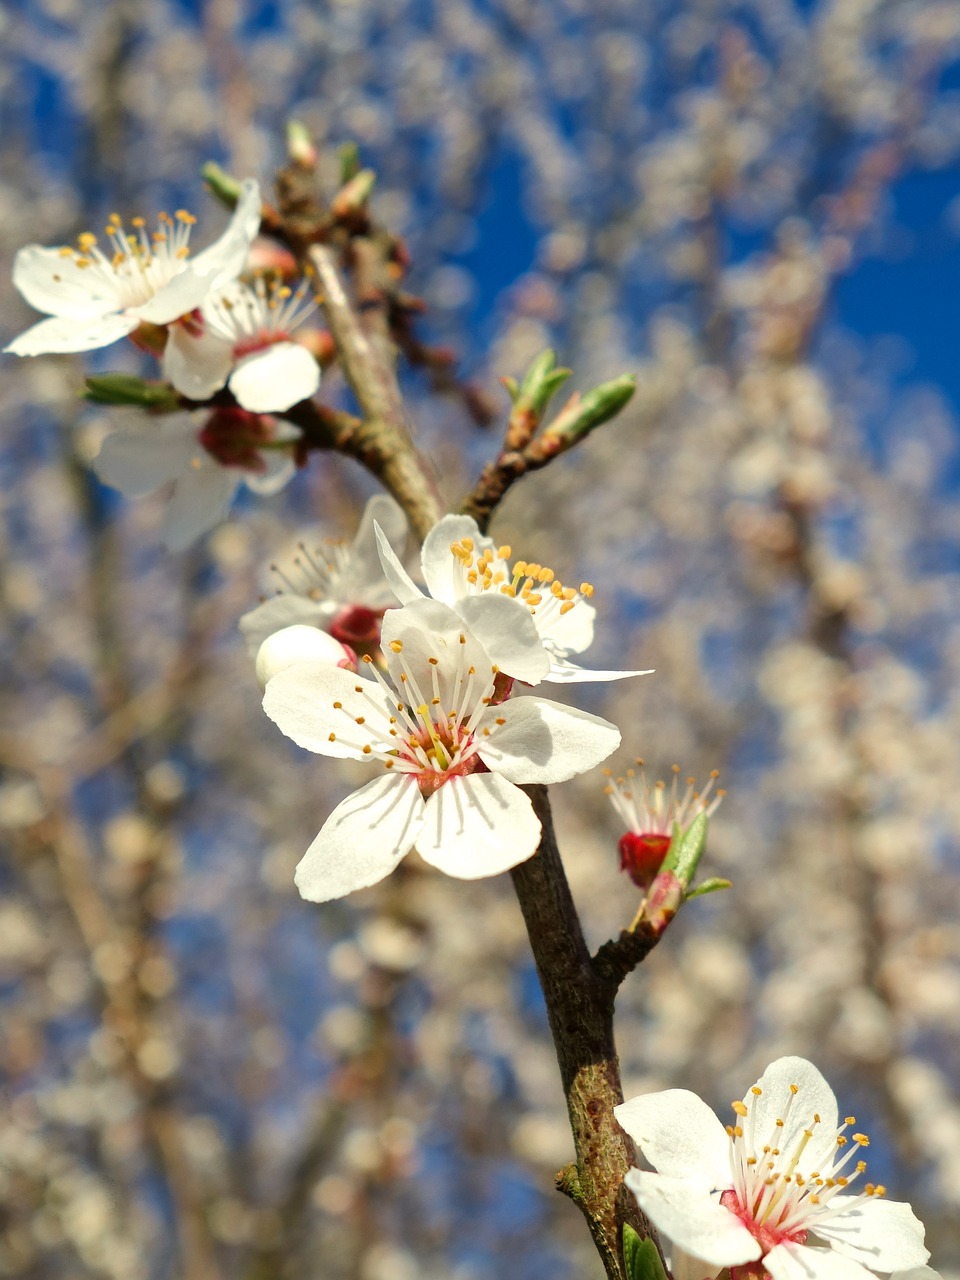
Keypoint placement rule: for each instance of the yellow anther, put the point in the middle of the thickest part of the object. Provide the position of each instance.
(66, 251)
(756, 1090)
(841, 1141)
(183, 252)
(396, 645)
(467, 544)
(849, 1119)
(740, 1108)
(861, 1140)
(332, 737)
(504, 552)
(86, 241)
(546, 575)
(338, 706)
(434, 662)
(794, 1088)
(367, 750)
(187, 218)
(360, 719)
(83, 262)
(565, 608)
(138, 222)
(586, 589)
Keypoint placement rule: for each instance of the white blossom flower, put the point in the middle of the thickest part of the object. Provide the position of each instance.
(770, 1193)
(94, 298)
(298, 644)
(468, 571)
(451, 760)
(241, 337)
(337, 586)
(206, 462)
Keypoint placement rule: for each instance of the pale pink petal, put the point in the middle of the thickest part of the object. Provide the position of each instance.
(281, 611)
(543, 741)
(441, 572)
(60, 337)
(275, 379)
(398, 580)
(197, 366)
(792, 1261)
(53, 283)
(362, 840)
(223, 261)
(201, 499)
(141, 460)
(300, 701)
(478, 826)
(885, 1235)
(680, 1136)
(693, 1221)
(505, 629)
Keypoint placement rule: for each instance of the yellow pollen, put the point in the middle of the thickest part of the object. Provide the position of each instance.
(565, 608)
(756, 1090)
(794, 1088)
(183, 216)
(504, 553)
(86, 241)
(586, 589)
(332, 737)
(367, 750)
(66, 252)
(861, 1140)
(396, 645)
(841, 1141)
(338, 706)
(849, 1119)
(361, 719)
(434, 662)
(739, 1108)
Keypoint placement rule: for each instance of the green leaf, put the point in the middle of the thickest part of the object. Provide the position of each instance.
(127, 388)
(708, 886)
(349, 155)
(540, 384)
(512, 387)
(582, 414)
(225, 188)
(686, 849)
(641, 1257)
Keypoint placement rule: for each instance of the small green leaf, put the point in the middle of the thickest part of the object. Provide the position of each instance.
(225, 188)
(126, 388)
(713, 885)
(349, 155)
(581, 414)
(512, 387)
(641, 1257)
(686, 849)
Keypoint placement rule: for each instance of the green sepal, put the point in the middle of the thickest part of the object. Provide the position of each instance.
(540, 383)
(349, 156)
(641, 1257)
(127, 388)
(713, 885)
(686, 849)
(512, 387)
(225, 188)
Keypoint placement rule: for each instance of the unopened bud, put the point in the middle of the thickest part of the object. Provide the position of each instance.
(225, 188)
(641, 856)
(126, 388)
(300, 146)
(355, 194)
(300, 643)
(582, 414)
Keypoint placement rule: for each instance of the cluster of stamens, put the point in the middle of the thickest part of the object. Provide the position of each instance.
(774, 1195)
(315, 571)
(653, 811)
(143, 262)
(254, 316)
(535, 585)
(418, 733)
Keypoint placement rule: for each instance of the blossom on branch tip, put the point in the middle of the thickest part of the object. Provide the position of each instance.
(650, 815)
(241, 337)
(205, 461)
(337, 586)
(779, 1192)
(93, 298)
(527, 620)
(451, 759)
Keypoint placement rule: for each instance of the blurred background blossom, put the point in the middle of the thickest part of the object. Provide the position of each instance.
(754, 205)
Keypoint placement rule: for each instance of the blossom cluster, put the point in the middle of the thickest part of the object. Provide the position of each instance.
(214, 325)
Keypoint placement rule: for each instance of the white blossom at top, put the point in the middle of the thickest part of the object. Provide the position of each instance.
(337, 586)
(94, 297)
(468, 571)
(204, 461)
(450, 759)
(779, 1191)
(241, 337)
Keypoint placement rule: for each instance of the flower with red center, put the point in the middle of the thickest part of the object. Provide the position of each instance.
(651, 814)
(528, 620)
(451, 761)
(242, 338)
(780, 1192)
(204, 464)
(337, 586)
(93, 298)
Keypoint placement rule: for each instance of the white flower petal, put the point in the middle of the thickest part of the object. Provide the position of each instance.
(440, 571)
(884, 1235)
(694, 1222)
(543, 741)
(478, 826)
(280, 470)
(386, 512)
(564, 672)
(281, 611)
(294, 644)
(141, 460)
(223, 261)
(60, 337)
(680, 1136)
(201, 499)
(792, 1261)
(53, 283)
(197, 366)
(183, 293)
(505, 629)
(362, 840)
(300, 703)
(684, 1266)
(571, 632)
(398, 580)
(275, 379)
(428, 629)
(814, 1097)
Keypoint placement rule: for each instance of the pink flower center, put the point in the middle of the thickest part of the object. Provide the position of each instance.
(234, 437)
(357, 626)
(259, 341)
(766, 1233)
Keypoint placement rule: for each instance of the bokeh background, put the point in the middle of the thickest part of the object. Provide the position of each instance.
(756, 207)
